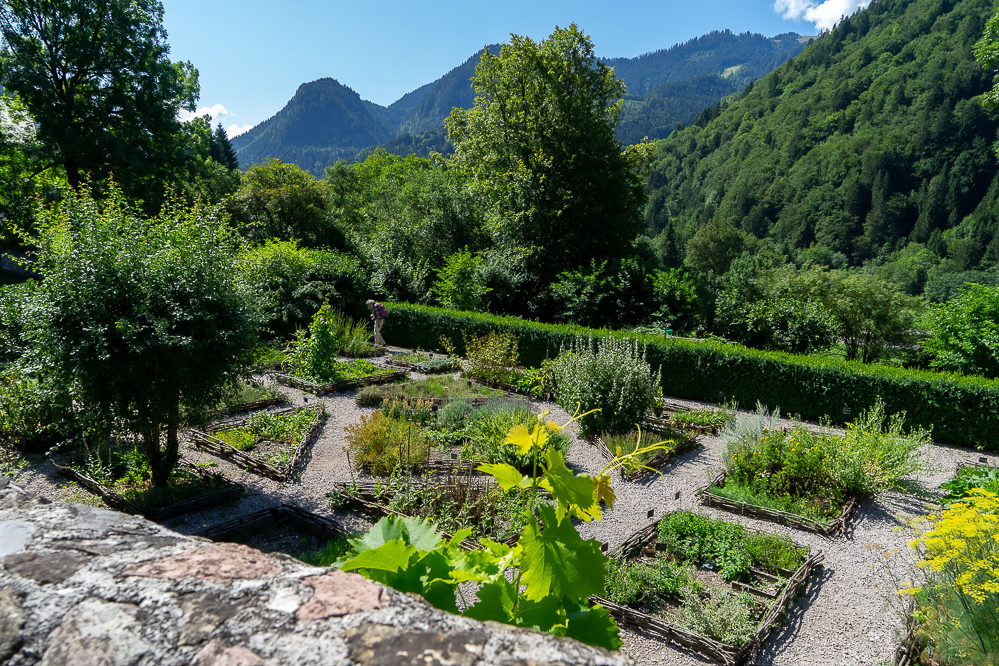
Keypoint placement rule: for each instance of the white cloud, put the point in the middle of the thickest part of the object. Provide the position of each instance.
(236, 130)
(215, 111)
(823, 13)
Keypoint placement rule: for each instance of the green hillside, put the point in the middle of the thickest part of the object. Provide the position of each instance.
(872, 142)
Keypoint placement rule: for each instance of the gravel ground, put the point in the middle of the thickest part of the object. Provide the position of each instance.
(848, 615)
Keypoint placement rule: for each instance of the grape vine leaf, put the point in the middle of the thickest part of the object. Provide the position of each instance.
(496, 602)
(594, 626)
(571, 492)
(557, 561)
(392, 556)
(507, 476)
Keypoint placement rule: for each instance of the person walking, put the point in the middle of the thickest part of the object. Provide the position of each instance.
(378, 314)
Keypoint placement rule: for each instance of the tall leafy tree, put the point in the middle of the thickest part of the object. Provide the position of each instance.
(96, 77)
(539, 142)
(140, 317)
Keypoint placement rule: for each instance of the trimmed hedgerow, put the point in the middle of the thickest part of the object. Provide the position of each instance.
(959, 409)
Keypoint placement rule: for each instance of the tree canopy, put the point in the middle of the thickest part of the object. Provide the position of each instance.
(539, 143)
(95, 76)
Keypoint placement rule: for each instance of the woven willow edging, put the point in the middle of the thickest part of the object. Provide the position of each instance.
(907, 652)
(651, 466)
(837, 526)
(189, 505)
(245, 407)
(365, 497)
(314, 524)
(336, 387)
(207, 442)
(728, 655)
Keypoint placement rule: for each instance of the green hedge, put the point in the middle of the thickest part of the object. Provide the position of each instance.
(961, 410)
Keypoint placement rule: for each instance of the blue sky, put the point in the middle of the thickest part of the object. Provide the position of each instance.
(253, 54)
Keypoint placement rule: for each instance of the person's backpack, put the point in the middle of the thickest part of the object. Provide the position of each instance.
(381, 311)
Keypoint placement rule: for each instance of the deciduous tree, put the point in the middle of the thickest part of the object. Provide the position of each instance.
(141, 317)
(539, 142)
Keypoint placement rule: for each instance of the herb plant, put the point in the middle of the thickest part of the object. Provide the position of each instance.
(611, 376)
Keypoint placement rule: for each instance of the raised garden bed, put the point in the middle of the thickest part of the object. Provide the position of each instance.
(342, 385)
(223, 493)
(435, 391)
(430, 493)
(684, 441)
(284, 528)
(286, 449)
(833, 527)
(772, 590)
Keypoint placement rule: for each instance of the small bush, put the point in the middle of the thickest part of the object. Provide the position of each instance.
(648, 584)
(723, 616)
(381, 444)
(313, 355)
(327, 554)
(437, 365)
(985, 477)
(454, 414)
(491, 357)
(611, 375)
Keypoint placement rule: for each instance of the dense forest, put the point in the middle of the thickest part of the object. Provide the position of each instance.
(326, 121)
(870, 147)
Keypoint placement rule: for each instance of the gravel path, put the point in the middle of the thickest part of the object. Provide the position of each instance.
(848, 615)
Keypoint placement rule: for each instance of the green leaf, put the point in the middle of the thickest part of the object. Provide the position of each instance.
(421, 533)
(506, 475)
(557, 561)
(594, 626)
(387, 529)
(548, 615)
(391, 556)
(574, 494)
(496, 602)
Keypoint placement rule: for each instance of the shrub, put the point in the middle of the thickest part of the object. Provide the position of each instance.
(313, 355)
(611, 375)
(437, 365)
(985, 477)
(491, 357)
(454, 414)
(292, 283)
(723, 616)
(381, 444)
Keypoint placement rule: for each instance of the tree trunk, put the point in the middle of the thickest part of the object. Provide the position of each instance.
(164, 460)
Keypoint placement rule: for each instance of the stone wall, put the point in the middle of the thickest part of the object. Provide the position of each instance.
(82, 585)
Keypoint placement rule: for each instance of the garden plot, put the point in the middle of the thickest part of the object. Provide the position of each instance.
(812, 479)
(124, 483)
(268, 443)
(705, 420)
(426, 363)
(640, 465)
(451, 502)
(710, 586)
(288, 529)
(252, 396)
(344, 376)
(451, 437)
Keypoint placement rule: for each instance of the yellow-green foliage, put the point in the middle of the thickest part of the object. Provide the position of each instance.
(960, 599)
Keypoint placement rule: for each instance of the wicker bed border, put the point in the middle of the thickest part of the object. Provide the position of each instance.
(836, 527)
(179, 508)
(728, 655)
(363, 495)
(306, 521)
(207, 442)
(336, 387)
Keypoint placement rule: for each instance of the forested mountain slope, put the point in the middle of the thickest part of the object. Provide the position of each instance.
(666, 88)
(872, 140)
